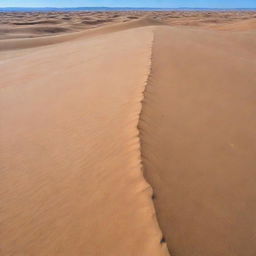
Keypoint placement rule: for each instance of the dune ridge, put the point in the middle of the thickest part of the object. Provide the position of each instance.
(142, 101)
(142, 126)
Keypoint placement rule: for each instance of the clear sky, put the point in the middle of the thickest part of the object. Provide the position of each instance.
(131, 3)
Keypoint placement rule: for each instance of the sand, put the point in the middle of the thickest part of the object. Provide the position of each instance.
(38, 24)
(130, 137)
(199, 141)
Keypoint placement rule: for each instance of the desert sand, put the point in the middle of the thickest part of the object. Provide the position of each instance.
(134, 136)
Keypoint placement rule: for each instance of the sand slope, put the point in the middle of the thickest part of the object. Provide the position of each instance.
(199, 141)
(71, 180)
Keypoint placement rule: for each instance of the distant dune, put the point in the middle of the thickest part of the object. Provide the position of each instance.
(128, 133)
(38, 24)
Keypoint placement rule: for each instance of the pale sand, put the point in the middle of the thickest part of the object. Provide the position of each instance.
(71, 180)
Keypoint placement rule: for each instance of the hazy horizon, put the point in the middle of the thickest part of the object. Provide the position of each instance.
(163, 4)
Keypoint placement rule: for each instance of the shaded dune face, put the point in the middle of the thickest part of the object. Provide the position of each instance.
(199, 142)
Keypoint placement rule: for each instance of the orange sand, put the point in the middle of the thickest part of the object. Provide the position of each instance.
(84, 114)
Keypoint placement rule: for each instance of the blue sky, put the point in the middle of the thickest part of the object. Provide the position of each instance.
(131, 3)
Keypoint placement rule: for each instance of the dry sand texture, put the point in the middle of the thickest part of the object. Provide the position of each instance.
(199, 140)
(83, 114)
(30, 25)
(38, 24)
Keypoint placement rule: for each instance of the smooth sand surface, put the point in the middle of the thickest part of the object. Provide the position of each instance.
(199, 140)
(84, 115)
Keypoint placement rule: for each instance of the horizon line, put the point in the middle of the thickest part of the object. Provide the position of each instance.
(128, 7)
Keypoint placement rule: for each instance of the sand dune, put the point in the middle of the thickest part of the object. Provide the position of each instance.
(93, 119)
(12, 44)
(35, 24)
